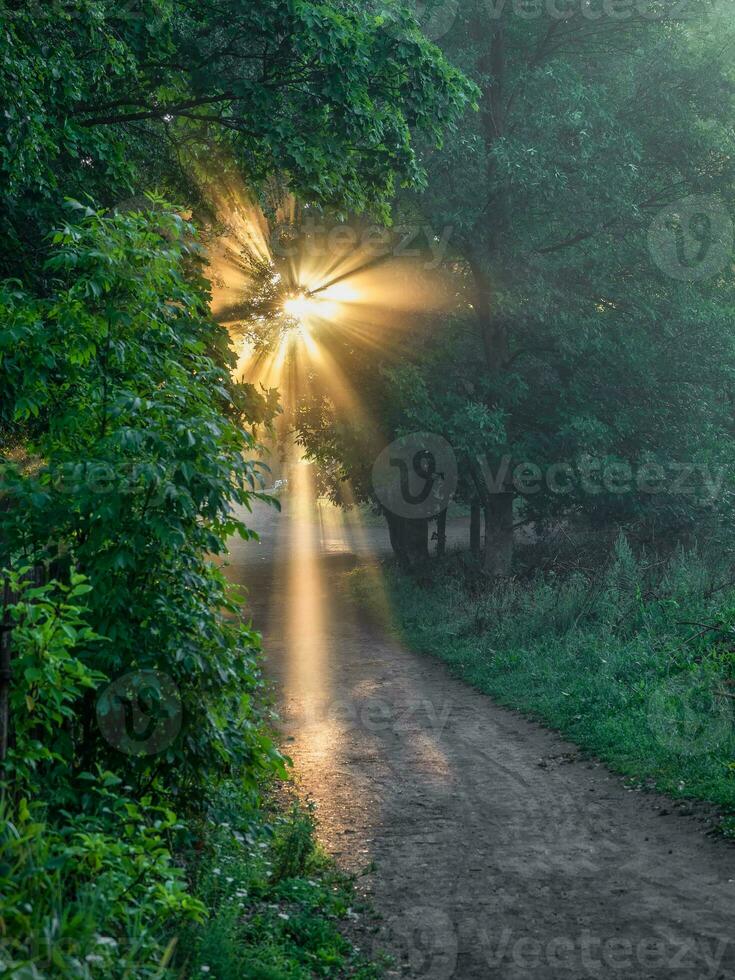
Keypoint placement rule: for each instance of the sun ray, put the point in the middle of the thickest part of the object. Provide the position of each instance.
(297, 309)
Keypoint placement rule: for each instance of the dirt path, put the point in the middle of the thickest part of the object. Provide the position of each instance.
(498, 852)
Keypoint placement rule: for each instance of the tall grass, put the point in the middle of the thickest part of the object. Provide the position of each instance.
(276, 903)
(635, 663)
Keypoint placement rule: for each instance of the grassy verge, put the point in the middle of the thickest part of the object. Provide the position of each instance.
(635, 663)
(276, 906)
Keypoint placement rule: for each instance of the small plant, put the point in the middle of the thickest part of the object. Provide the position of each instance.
(275, 902)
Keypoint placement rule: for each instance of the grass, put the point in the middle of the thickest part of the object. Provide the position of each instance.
(277, 906)
(635, 663)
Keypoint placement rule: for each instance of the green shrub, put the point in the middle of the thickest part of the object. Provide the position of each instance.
(140, 457)
(89, 885)
(134, 458)
(49, 680)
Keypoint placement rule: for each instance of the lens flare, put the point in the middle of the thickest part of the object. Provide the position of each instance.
(300, 306)
(307, 306)
(340, 292)
(298, 315)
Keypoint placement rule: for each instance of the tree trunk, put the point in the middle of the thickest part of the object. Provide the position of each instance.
(441, 534)
(394, 531)
(409, 538)
(488, 269)
(499, 534)
(476, 528)
(416, 538)
(5, 676)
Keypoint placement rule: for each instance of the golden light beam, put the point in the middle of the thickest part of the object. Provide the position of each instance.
(343, 297)
(306, 625)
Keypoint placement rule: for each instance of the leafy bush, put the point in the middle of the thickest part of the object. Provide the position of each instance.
(135, 455)
(48, 625)
(140, 461)
(86, 873)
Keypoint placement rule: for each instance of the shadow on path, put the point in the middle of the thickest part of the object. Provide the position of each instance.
(498, 852)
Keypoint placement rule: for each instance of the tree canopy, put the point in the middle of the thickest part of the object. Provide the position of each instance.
(589, 206)
(104, 99)
(126, 447)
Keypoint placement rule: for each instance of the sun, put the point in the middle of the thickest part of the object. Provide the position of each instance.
(307, 306)
(300, 306)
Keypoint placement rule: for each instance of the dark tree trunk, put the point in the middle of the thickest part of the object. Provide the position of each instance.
(416, 538)
(476, 528)
(497, 506)
(441, 534)
(486, 261)
(409, 538)
(499, 534)
(5, 675)
(394, 531)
